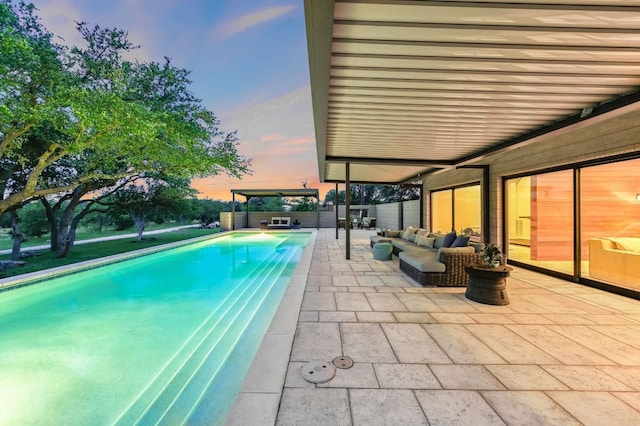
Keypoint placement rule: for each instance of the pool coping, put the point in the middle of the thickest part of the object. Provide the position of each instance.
(258, 401)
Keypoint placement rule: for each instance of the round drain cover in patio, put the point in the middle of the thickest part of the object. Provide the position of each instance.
(317, 371)
(343, 362)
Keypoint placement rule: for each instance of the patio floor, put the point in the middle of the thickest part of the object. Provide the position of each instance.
(560, 353)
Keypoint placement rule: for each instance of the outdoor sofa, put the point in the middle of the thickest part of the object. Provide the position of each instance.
(432, 259)
(279, 223)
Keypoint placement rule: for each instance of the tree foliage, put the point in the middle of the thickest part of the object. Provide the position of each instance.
(83, 115)
(374, 194)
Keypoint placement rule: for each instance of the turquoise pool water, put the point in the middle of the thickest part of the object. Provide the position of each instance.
(165, 338)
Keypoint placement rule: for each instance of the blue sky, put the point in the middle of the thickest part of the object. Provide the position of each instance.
(249, 65)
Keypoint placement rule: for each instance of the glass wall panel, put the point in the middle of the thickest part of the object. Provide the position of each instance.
(610, 223)
(468, 211)
(442, 211)
(540, 220)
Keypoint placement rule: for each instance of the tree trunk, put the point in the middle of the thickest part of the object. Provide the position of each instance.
(53, 226)
(139, 219)
(18, 237)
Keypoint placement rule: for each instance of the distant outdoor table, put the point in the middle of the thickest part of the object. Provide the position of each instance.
(487, 285)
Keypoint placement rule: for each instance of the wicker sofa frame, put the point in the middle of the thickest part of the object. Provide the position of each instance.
(454, 276)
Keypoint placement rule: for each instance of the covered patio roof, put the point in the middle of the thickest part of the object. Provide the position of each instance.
(405, 88)
(296, 192)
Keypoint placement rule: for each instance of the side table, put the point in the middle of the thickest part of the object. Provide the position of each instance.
(487, 285)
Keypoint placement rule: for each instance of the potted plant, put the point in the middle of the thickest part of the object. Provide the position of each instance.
(296, 224)
(491, 255)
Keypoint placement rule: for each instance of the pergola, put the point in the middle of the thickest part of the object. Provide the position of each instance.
(406, 88)
(250, 193)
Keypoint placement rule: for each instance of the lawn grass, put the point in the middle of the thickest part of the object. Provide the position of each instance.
(83, 233)
(89, 251)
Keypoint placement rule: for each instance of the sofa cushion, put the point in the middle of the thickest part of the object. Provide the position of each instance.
(379, 239)
(403, 245)
(449, 239)
(627, 244)
(423, 261)
(454, 250)
(412, 238)
(425, 241)
(460, 242)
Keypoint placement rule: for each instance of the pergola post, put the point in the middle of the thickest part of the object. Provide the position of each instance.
(336, 203)
(233, 211)
(347, 206)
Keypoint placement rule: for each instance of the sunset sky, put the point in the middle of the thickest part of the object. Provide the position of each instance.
(249, 66)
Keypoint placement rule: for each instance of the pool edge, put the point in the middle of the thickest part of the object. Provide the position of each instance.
(259, 397)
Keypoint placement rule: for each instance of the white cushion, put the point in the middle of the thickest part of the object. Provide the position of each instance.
(425, 241)
(410, 230)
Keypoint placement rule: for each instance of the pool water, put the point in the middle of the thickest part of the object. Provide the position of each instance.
(165, 338)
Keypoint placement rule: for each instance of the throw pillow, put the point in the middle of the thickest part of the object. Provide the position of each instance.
(449, 239)
(460, 242)
(412, 238)
(422, 232)
(439, 240)
(410, 230)
(425, 241)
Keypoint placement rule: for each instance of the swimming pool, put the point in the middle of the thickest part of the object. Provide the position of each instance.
(150, 340)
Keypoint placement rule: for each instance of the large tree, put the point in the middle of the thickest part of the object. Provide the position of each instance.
(74, 117)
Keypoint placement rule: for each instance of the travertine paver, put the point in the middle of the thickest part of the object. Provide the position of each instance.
(559, 354)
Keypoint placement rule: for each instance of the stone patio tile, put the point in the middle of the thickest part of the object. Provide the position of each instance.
(528, 319)
(456, 408)
(465, 377)
(318, 301)
(375, 317)
(626, 334)
(385, 407)
(319, 280)
(597, 408)
(361, 375)
(585, 378)
(511, 347)
(360, 289)
(565, 350)
(316, 341)
(338, 316)
(448, 318)
(490, 318)
(331, 289)
(627, 375)
(614, 303)
(395, 280)
(569, 319)
(411, 343)
(525, 377)
(369, 280)
(452, 303)
(344, 280)
(606, 346)
(611, 319)
(267, 371)
(462, 346)
(254, 409)
(294, 379)
(361, 267)
(385, 302)
(631, 398)
(340, 267)
(308, 316)
(301, 406)
(524, 307)
(366, 342)
(352, 302)
(414, 317)
(418, 303)
(528, 408)
(395, 290)
(406, 376)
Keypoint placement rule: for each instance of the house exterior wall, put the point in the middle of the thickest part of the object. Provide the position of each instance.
(601, 136)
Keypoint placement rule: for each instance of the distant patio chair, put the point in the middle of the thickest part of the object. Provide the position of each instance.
(342, 223)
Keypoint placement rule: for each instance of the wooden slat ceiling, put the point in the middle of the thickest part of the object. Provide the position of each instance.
(404, 88)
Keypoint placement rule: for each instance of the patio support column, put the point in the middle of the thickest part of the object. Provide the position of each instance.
(336, 203)
(233, 211)
(422, 206)
(347, 207)
(246, 219)
(486, 204)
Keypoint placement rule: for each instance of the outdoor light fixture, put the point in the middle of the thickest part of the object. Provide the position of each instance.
(638, 197)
